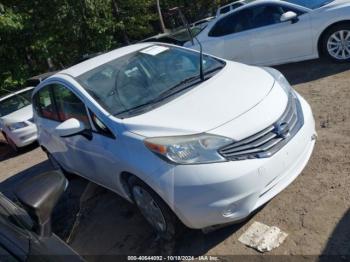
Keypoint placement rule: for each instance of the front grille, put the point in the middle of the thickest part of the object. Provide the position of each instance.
(270, 140)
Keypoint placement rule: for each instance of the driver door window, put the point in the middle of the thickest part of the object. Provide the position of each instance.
(275, 41)
(265, 15)
(44, 104)
(247, 19)
(69, 105)
(231, 24)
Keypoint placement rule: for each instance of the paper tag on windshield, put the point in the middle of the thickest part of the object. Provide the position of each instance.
(154, 50)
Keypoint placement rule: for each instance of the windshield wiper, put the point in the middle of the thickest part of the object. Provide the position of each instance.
(176, 88)
(135, 108)
(170, 92)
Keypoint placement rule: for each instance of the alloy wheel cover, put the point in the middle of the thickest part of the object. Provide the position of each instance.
(338, 45)
(149, 208)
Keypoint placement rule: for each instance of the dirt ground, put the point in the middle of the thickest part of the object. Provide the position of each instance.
(314, 210)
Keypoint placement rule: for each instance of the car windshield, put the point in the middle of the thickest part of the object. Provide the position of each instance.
(312, 4)
(15, 102)
(141, 80)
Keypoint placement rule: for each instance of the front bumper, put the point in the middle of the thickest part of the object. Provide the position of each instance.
(215, 194)
(24, 136)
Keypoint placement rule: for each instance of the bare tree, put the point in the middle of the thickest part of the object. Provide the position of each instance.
(160, 17)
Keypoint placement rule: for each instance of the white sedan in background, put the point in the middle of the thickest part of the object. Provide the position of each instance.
(276, 32)
(16, 118)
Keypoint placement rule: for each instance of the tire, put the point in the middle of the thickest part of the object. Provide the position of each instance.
(171, 226)
(336, 43)
(12, 144)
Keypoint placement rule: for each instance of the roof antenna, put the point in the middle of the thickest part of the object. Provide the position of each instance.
(185, 23)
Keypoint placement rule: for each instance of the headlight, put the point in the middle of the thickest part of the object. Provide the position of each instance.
(279, 77)
(18, 125)
(195, 149)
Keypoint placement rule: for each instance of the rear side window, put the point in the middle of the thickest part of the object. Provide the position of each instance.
(225, 10)
(69, 105)
(44, 104)
(251, 18)
(230, 24)
(236, 5)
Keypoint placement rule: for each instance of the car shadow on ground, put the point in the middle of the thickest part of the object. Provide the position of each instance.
(66, 210)
(97, 222)
(338, 245)
(303, 72)
(109, 225)
(6, 152)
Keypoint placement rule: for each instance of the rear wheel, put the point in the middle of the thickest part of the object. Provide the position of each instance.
(154, 209)
(336, 43)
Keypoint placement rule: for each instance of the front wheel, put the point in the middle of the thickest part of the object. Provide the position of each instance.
(154, 209)
(336, 43)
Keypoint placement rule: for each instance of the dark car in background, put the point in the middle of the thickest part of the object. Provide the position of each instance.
(25, 228)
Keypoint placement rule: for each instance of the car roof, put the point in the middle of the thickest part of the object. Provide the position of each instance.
(207, 19)
(36, 80)
(92, 63)
(43, 76)
(232, 3)
(16, 92)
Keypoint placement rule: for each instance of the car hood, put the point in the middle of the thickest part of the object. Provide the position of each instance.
(24, 114)
(336, 3)
(340, 2)
(232, 92)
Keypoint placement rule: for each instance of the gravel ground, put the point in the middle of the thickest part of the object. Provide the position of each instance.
(314, 210)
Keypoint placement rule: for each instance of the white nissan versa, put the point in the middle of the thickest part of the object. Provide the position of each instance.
(142, 122)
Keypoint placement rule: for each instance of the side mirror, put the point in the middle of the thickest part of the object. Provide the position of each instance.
(73, 127)
(39, 195)
(289, 16)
